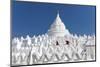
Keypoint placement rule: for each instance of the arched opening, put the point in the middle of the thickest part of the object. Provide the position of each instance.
(57, 43)
(67, 42)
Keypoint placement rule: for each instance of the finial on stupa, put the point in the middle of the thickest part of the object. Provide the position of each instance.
(58, 19)
(58, 13)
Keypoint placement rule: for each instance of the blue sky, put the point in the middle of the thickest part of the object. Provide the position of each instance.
(35, 18)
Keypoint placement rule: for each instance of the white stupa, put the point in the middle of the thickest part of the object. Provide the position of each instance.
(58, 28)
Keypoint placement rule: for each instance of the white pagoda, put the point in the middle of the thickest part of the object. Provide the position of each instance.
(58, 28)
(56, 46)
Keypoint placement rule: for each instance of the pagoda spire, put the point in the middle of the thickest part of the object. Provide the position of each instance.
(58, 13)
(58, 19)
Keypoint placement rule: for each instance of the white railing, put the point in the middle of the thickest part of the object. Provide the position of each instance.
(43, 49)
